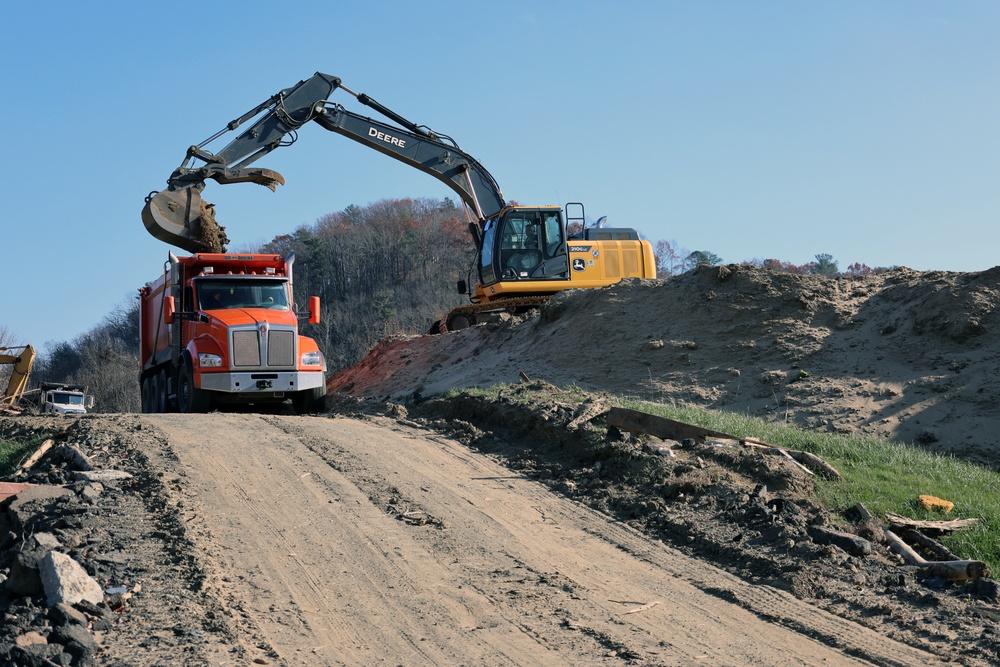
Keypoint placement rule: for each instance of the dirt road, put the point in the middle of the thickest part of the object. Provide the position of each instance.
(331, 541)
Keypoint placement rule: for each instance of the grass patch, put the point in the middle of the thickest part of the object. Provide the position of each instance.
(570, 394)
(885, 476)
(14, 451)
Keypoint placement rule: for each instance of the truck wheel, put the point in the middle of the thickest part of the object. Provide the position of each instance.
(154, 393)
(161, 391)
(189, 397)
(147, 395)
(310, 401)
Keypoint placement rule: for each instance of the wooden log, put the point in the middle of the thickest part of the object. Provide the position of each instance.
(939, 550)
(669, 429)
(951, 570)
(39, 453)
(74, 456)
(932, 527)
(957, 570)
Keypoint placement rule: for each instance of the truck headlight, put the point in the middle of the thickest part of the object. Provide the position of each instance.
(312, 358)
(206, 360)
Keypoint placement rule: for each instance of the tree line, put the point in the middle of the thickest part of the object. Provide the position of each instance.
(387, 268)
(672, 260)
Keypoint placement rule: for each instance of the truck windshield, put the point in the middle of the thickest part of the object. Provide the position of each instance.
(67, 399)
(220, 293)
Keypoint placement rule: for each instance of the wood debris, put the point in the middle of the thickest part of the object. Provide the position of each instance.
(930, 527)
(661, 427)
(950, 570)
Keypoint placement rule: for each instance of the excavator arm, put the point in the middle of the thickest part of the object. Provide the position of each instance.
(180, 217)
(19, 376)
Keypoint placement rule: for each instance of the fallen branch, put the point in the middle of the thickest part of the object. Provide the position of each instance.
(950, 570)
(643, 607)
(669, 429)
(933, 527)
(939, 550)
(39, 453)
(74, 456)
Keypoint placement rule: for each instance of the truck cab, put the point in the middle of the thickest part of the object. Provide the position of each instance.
(221, 330)
(65, 399)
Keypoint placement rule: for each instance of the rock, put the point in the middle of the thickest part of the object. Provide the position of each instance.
(29, 639)
(63, 614)
(987, 588)
(92, 491)
(101, 475)
(852, 544)
(47, 541)
(32, 500)
(24, 580)
(35, 655)
(65, 580)
(78, 642)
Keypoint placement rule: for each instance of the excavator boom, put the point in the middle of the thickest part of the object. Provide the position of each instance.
(21, 362)
(180, 217)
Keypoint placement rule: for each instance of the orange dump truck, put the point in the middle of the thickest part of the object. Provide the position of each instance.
(221, 329)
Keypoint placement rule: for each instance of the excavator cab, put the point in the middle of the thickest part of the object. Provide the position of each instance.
(524, 243)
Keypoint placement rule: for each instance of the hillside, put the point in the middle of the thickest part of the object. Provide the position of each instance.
(907, 355)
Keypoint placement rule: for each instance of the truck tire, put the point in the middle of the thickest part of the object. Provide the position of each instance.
(154, 393)
(310, 401)
(190, 398)
(161, 392)
(147, 395)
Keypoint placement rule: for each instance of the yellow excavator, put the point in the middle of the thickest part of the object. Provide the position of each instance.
(523, 253)
(21, 362)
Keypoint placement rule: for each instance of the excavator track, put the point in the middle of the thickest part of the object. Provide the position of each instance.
(464, 317)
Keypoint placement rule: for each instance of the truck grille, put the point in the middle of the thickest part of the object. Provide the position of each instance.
(279, 348)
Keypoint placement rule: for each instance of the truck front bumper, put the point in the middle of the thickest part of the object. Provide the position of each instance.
(269, 382)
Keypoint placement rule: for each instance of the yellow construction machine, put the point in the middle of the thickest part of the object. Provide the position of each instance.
(524, 253)
(21, 358)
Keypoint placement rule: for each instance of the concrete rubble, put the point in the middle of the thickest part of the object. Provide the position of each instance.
(51, 604)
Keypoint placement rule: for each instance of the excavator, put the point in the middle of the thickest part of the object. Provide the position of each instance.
(523, 253)
(21, 362)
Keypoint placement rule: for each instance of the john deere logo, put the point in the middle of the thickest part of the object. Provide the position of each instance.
(579, 265)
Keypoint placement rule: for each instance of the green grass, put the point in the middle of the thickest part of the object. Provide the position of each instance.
(883, 475)
(13, 452)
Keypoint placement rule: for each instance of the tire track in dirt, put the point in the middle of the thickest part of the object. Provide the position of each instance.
(314, 526)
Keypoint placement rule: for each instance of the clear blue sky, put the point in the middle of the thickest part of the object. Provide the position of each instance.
(866, 130)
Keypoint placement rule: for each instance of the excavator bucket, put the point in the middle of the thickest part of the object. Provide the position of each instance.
(180, 217)
(183, 219)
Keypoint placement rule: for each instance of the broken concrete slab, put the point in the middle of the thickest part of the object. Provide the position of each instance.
(8, 489)
(101, 475)
(65, 580)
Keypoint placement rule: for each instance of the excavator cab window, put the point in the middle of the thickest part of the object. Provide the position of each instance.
(519, 247)
(487, 271)
(524, 244)
(553, 234)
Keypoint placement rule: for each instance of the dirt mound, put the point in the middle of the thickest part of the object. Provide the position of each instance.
(748, 512)
(905, 354)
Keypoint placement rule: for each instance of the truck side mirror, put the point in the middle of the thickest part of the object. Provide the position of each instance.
(90, 402)
(462, 287)
(314, 310)
(168, 310)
